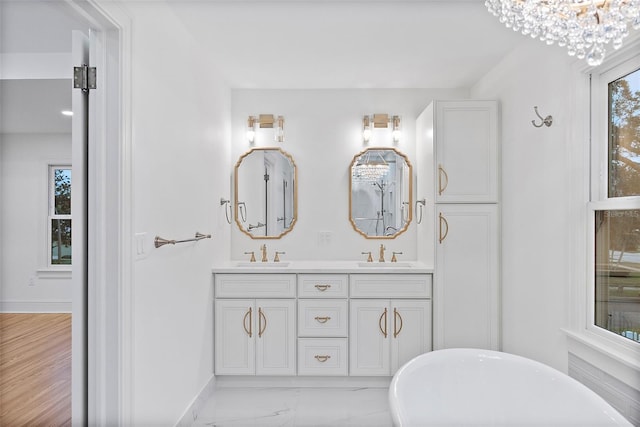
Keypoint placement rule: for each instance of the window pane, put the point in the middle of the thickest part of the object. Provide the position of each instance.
(624, 136)
(60, 241)
(62, 191)
(617, 299)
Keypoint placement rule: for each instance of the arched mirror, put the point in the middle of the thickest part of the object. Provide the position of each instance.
(380, 193)
(266, 193)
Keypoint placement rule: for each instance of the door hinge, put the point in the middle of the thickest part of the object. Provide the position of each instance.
(84, 77)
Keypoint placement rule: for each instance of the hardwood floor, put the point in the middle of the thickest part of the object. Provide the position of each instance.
(35, 369)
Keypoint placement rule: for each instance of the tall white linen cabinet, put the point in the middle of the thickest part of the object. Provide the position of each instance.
(458, 222)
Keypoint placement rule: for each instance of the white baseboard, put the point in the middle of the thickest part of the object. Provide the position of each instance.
(35, 306)
(192, 412)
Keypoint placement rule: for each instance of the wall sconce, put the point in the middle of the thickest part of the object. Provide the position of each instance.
(381, 121)
(265, 121)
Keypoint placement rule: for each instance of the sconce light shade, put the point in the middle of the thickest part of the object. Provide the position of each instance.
(366, 129)
(279, 137)
(396, 133)
(251, 129)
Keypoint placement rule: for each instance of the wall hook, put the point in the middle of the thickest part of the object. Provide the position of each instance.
(227, 208)
(545, 121)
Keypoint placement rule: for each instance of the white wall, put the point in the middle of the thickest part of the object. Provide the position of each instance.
(536, 222)
(323, 134)
(180, 137)
(25, 285)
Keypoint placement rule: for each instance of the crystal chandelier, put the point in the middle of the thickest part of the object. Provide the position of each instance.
(583, 26)
(369, 173)
(371, 167)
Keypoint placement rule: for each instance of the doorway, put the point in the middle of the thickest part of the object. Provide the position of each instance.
(35, 49)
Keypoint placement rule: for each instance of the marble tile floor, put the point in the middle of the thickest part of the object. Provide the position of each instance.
(293, 407)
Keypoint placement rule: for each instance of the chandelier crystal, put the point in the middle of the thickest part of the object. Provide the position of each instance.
(583, 26)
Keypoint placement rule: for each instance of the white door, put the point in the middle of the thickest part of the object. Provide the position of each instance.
(80, 140)
(235, 331)
(466, 309)
(411, 331)
(276, 337)
(466, 144)
(369, 337)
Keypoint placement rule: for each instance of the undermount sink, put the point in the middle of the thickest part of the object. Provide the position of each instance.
(262, 264)
(401, 264)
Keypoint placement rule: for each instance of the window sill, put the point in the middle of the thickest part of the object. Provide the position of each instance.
(54, 273)
(618, 360)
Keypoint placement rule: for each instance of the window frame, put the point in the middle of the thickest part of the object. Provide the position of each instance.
(600, 77)
(51, 215)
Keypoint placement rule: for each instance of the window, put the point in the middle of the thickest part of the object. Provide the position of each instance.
(616, 204)
(59, 220)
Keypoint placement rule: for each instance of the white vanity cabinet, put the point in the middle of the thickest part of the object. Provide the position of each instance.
(390, 321)
(465, 140)
(255, 336)
(310, 323)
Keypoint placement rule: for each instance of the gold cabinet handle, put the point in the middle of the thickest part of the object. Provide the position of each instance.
(261, 327)
(383, 315)
(441, 173)
(443, 221)
(396, 315)
(244, 322)
(324, 319)
(322, 288)
(322, 358)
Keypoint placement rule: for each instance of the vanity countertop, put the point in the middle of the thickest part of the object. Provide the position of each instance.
(322, 267)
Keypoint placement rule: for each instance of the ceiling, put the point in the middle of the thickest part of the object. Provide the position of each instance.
(290, 44)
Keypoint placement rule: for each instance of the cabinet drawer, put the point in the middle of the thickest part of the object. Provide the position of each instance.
(322, 356)
(390, 285)
(322, 318)
(322, 285)
(255, 285)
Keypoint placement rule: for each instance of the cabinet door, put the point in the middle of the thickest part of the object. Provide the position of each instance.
(466, 309)
(234, 337)
(275, 337)
(466, 151)
(369, 336)
(410, 331)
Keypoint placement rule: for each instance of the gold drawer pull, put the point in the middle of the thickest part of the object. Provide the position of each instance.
(322, 358)
(322, 288)
(324, 319)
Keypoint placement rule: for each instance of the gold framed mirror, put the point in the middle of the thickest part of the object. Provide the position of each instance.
(266, 194)
(380, 193)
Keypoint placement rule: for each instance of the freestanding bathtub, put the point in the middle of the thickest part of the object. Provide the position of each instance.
(456, 387)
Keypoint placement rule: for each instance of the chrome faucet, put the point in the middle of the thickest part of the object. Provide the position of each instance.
(263, 248)
(382, 248)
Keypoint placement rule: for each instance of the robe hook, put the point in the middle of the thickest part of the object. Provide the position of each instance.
(545, 121)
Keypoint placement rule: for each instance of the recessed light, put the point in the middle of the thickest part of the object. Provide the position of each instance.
(67, 113)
